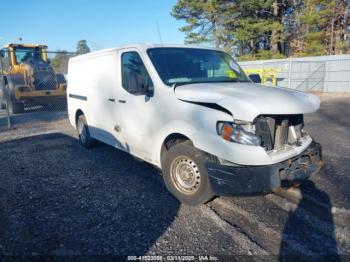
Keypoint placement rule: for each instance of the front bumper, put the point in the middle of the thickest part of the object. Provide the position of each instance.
(229, 180)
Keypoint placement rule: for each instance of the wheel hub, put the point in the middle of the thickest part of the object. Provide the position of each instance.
(185, 175)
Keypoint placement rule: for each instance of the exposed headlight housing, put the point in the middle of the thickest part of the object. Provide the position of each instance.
(235, 133)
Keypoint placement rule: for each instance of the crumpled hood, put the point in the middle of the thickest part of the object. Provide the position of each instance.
(248, 100)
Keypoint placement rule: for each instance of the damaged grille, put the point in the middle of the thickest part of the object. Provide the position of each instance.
(277, 131)
(44, 80)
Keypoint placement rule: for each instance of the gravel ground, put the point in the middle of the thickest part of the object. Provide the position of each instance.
(59, 199)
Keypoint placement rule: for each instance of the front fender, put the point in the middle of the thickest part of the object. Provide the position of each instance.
(197, 121)
(174, 127)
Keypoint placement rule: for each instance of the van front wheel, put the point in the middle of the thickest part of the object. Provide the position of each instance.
(83, 132)
(185, 174)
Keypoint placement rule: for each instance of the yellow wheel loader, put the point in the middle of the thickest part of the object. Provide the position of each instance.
(265, 76)
(27, 78)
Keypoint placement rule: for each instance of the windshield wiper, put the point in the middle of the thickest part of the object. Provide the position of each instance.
(176, 84)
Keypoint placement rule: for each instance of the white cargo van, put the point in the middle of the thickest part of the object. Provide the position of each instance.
(193, 112)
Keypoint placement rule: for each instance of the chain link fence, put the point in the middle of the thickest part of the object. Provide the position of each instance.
(32, 80)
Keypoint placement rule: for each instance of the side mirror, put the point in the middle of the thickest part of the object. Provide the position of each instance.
(255, 78)
(149, 91)
(2, 53)
(142, 89)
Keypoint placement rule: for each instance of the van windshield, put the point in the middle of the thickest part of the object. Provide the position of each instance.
(194, 65)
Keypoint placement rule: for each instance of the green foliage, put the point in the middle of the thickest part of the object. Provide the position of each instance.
(267, 29)
(247, 57)
(60, 61)
(262, 55)
(203, 18)
(82, 47)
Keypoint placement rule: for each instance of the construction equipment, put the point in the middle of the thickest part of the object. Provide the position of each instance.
(268, 76)
(27, 78)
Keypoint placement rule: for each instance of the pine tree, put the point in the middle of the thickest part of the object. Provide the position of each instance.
(60, 61)
(322, 28)
(204, 22)
(336, 30)
(263, 29)
(82, 47)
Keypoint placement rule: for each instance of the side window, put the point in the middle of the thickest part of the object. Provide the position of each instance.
(135, 78)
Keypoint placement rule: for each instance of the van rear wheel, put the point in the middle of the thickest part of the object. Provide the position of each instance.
(185, 174)
(83, 132)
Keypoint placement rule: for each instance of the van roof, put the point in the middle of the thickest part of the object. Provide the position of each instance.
(140, 46)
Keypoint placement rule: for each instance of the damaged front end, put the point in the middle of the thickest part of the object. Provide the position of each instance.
(281, 131)
(296, 170)
(278, 135)
(233, 180)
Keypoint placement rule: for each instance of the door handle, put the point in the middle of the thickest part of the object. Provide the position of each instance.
(122, 101)
(111, 99)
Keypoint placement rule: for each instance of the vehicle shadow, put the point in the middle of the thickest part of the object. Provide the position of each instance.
(324, 247)
(58, 198)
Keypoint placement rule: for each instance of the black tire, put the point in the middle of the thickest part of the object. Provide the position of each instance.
(2, 93)
(191, 186)
(2, 100)
(84, 133)
(15, 108)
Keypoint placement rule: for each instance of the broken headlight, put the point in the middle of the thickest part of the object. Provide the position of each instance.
(235, 133)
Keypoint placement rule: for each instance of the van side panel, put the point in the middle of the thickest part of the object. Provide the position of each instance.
(91, 82)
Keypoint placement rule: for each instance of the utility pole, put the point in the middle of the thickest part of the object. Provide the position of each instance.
(5, 92)
(332, 33)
